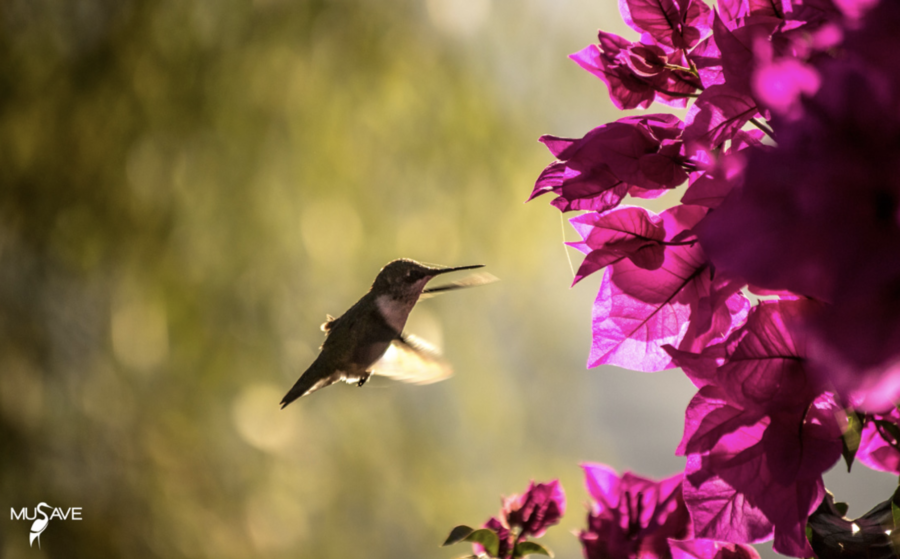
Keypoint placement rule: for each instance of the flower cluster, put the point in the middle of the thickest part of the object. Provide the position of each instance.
(635, 517)
(789, 153)
(521, 516)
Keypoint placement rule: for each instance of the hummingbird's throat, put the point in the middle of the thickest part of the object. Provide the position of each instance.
(395, 311)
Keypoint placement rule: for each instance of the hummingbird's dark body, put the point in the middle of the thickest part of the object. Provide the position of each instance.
(357, 341)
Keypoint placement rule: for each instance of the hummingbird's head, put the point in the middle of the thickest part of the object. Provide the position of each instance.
(405, 276)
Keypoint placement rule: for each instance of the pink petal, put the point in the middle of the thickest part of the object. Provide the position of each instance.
(710, 549)
(717, 115)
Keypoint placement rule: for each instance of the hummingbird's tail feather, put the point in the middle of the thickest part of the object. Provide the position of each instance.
(316, 377)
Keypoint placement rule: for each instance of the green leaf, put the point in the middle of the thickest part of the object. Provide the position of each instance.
(851, 438)
(457, 534)
(531, 548)
(895, 512)
(842, 508)
(487, 538)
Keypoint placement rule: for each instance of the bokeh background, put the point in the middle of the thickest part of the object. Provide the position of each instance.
(187, 187)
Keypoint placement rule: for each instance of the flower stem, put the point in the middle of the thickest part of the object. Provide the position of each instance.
(769, 132)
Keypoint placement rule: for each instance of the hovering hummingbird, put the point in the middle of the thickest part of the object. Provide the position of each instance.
(369, 339)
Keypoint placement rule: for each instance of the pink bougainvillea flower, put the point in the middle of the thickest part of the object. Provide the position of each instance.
(636, 155)
(878, 449)
(720, 171)
(580, 186)
(818, 216)
(736, 45)
(759, 369)
(734, 11)
(718, 115)
(676, 24)
(644, 151)
(765, 368)
(710, 187)
(540, 507)
(627, 90)
(639, 311)
(636, 74)
(626, 232)
(811, 215)
(707, 59)
(855, 9)
(529, 514)
(710, 549)
(631, 516)
(779, 84)
(758, 434)
(762, 474)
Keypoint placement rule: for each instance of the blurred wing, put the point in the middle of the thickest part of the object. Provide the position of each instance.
(468, 281)
(411, 359)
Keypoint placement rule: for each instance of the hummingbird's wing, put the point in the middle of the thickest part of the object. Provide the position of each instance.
(468, 281)
(412, 359)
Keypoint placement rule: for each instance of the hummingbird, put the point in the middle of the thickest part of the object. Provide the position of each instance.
(369, 339)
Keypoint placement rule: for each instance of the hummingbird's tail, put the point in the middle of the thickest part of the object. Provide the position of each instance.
(317, 376)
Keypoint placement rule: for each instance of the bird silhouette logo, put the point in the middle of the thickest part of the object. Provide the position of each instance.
(39, 525)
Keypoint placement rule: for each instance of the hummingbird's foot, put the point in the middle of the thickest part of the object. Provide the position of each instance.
(363, 380)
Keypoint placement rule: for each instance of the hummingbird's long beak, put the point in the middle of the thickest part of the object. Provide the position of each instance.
(468, 281)
(439, 271)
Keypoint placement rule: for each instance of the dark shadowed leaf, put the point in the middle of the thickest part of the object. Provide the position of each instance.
(487, 538)
(458, 534)
(531, 548)
(834, 536)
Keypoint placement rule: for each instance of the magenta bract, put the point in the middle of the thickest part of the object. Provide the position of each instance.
(819, 216)
(710, 549)
(640, 155)
(541, 506)
(637, 74)
(878, 449)
(626, 232)
(717, 115)
(675, 24)
(631, 516)
(804, 210)
(638, 311)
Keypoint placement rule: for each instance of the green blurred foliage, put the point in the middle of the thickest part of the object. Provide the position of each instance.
(187, 187)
